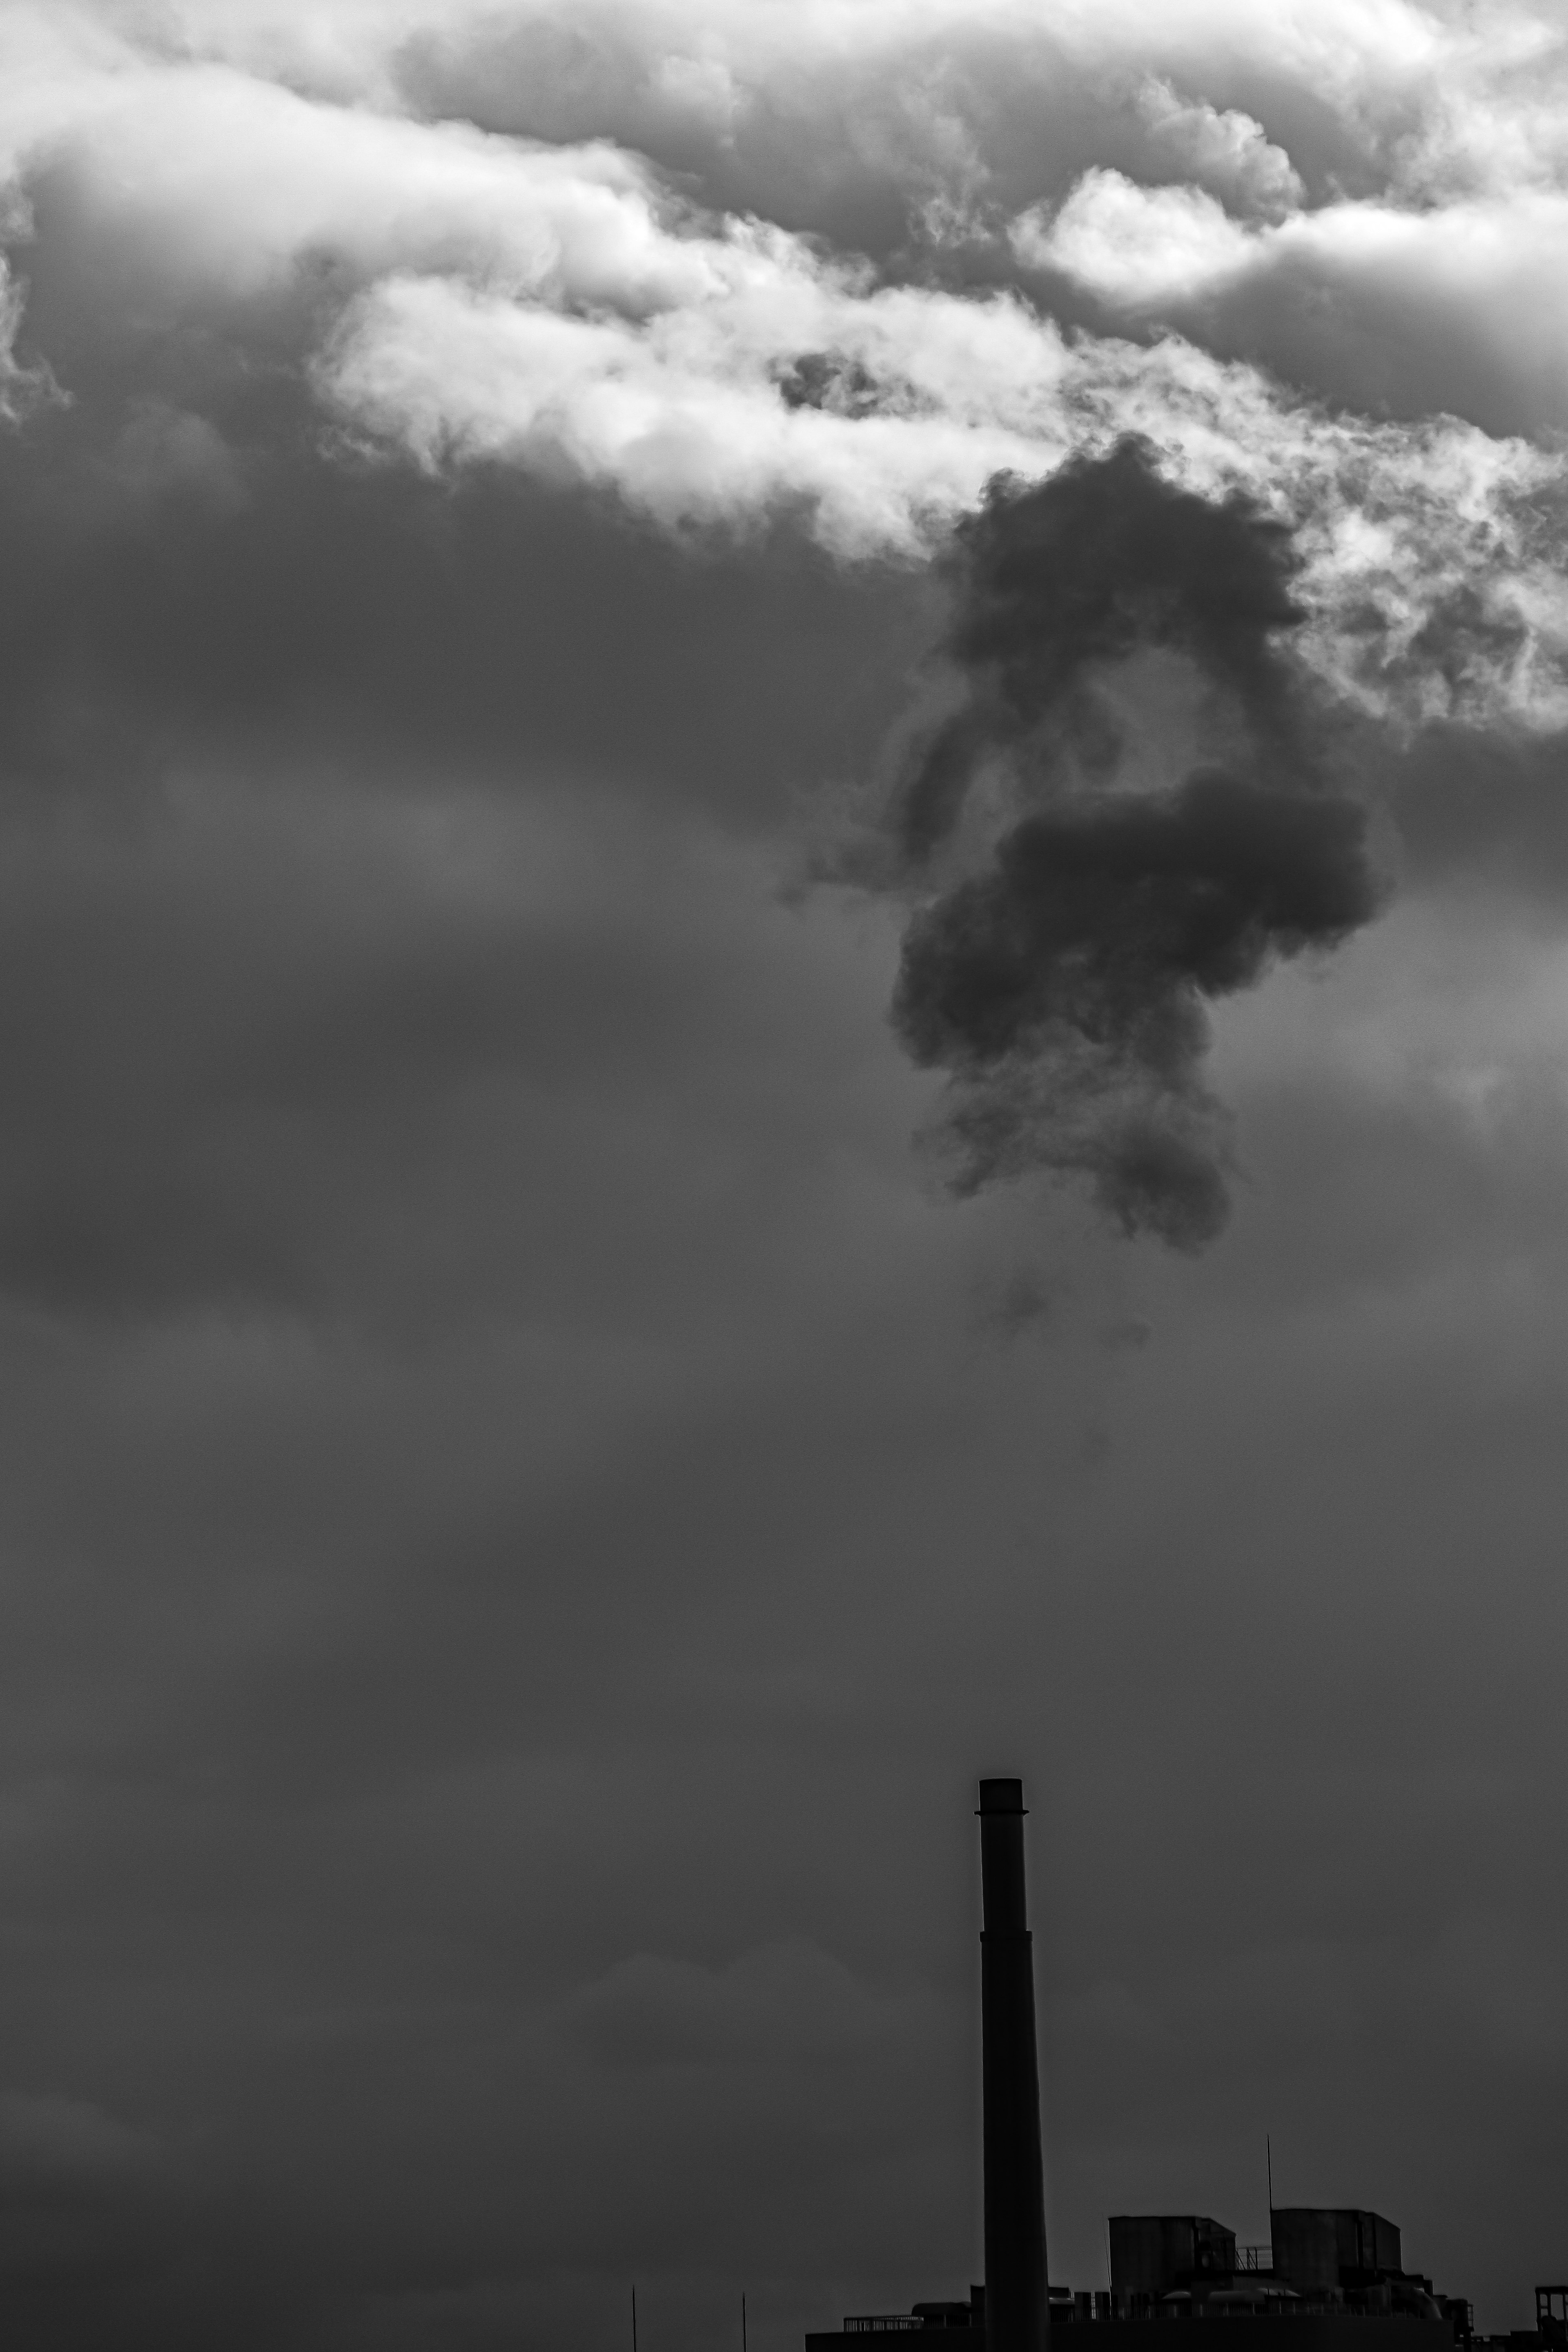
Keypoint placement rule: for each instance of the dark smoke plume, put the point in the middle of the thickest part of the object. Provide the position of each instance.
(1063, 985)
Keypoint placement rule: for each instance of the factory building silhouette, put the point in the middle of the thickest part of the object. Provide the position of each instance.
(1334, 2273)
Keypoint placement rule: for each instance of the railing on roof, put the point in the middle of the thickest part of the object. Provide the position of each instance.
(883, 2323)
(1255, 2258)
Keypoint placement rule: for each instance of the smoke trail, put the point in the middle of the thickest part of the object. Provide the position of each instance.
(1063, 985)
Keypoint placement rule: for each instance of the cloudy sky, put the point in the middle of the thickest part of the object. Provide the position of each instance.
(783, 984)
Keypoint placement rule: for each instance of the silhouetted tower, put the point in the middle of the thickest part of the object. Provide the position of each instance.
(1017, 2301)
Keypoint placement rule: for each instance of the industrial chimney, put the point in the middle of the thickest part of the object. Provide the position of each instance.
(1017, 2306)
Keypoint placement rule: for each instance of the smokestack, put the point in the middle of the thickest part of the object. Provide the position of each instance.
(1017, 2306)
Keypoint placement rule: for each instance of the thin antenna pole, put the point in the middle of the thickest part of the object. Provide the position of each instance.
(743, 2321)
(634, 2320)
(1269, 2153)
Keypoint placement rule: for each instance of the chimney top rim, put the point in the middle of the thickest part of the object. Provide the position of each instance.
(1002, 1796)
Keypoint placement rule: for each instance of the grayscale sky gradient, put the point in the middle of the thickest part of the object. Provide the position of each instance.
(567, 1383)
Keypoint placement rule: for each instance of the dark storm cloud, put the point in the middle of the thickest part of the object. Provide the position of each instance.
(1063, 986)
(514, 1540)
(382, 1083)
(193, 568)
(259, 701)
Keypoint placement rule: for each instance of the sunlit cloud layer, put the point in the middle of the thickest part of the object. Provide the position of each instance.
(574, 310)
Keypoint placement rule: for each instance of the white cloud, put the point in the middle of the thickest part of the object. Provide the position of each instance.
(236, 183)
(690, 416)
(1407, 530)
(20, 387)
(1225, 150)
(1156, 249)
(563, 309)
(1479, 281)
(1137, 248)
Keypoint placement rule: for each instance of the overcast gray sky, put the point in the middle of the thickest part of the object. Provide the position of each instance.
(702, 1129)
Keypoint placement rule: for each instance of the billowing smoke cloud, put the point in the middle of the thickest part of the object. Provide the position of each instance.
(1064, 984)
